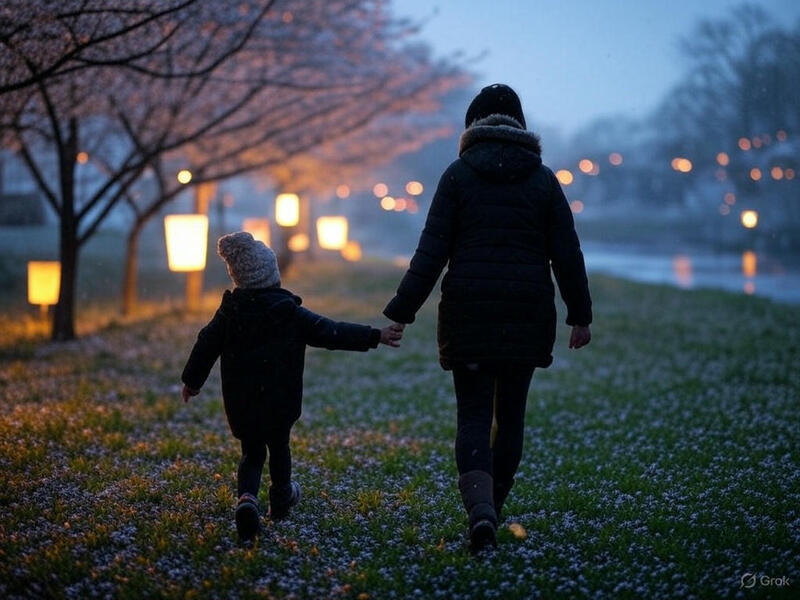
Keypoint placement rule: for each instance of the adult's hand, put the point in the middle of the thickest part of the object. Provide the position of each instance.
(580, 336)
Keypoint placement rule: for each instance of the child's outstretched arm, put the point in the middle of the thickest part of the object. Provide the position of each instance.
(323, 332)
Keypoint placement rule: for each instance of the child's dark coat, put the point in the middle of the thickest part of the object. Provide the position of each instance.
(261, 335)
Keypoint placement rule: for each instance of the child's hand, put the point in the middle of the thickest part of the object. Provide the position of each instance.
(187, 392)
(392, 335)
(580, 336)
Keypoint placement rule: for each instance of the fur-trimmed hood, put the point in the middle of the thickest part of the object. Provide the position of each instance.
(500, 148)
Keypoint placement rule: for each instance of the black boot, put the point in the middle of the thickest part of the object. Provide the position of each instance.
(476, 493)
(247, 520)
(501, 490)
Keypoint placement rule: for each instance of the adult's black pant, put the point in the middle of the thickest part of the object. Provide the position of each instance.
(482, 391)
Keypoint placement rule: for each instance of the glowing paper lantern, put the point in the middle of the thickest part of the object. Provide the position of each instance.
(258, 228)
(749, 219)
(44, 281)
(187, 242)
(352, 251)
(299, 242)
(332, 232)
(287, 210)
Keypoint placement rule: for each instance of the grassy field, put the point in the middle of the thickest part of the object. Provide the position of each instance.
(660, 462)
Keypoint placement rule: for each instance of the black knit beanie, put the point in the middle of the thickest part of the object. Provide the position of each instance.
(493, 100)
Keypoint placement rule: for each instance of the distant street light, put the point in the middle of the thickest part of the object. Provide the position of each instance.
(258, 228)
(184, 176)
(684, 165)
(564, 176)
(287, 210)
(414, 188)
(749, 219)
(332, 232)
(44, 282)
(187, 242)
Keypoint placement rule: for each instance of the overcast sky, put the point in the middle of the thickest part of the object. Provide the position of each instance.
(573, 60)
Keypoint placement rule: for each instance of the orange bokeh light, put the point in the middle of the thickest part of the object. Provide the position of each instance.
(615, 158)
(777, 173)
(380, 190)
(755, 173)
(414, 188)
(744, 144)
(730, 198)
(723, 159)
(576, 206)
(684, 165)
(388, 203)
(342, 191)
(585, 165)
(564, 176)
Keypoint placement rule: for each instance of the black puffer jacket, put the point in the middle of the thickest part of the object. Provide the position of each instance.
(261, 335)
(501, 220)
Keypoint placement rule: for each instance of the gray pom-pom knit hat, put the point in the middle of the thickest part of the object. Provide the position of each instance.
(250, 262)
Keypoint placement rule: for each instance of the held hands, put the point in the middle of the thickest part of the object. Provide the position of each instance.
(187, 392)
(580, 336)
(392, 335)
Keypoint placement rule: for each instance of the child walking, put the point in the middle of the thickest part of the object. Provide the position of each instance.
(261, 333)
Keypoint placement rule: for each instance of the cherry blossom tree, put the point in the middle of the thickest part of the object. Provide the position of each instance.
(227, 92)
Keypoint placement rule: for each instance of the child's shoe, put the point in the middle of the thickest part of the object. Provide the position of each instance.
(282, 499)
(247, 521)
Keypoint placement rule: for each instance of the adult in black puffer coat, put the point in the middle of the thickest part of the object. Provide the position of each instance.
(499, 220)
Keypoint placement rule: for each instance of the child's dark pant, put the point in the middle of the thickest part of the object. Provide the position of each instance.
(254, 454)
(480, 392)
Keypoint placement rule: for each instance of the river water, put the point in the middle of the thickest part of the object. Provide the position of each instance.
(753, 273)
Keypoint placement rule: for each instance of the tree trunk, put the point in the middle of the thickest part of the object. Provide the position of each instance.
(64, 313)
(130, 276)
